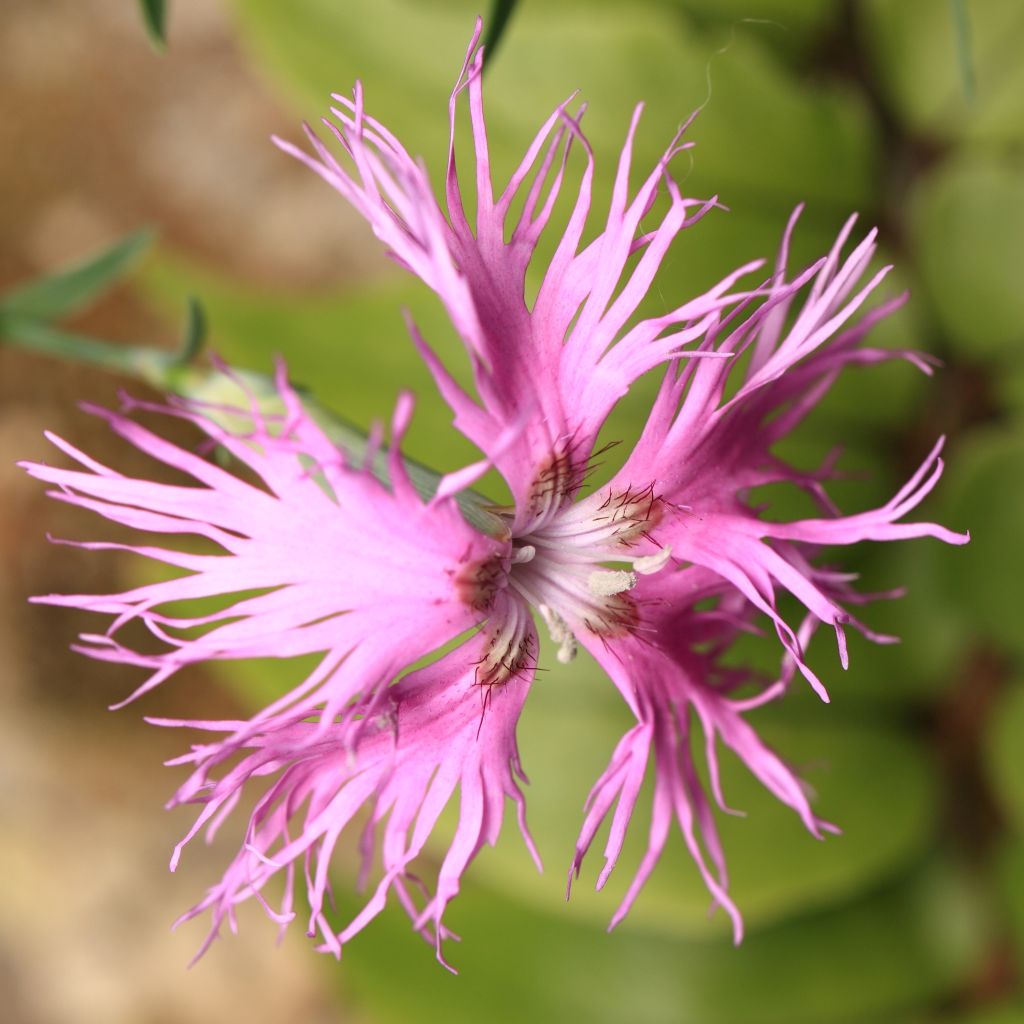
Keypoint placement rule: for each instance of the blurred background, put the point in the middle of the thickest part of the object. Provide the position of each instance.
(910, 112)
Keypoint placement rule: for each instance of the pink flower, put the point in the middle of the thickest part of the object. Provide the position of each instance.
(653, 571)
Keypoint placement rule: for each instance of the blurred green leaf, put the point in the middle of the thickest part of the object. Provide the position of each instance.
(906, 944)
(967, 229)
(154, 17)
(1004, 754)
(916, 54)
(43, 339)
(497, 23)
(984, 493)
(1009, 881)
(67, 291)
(962, 30)
(1005, 1013)
(195, 331)
(1009, 390)
(928, 621)
(763, 137)
(352, 350)
(568, 732)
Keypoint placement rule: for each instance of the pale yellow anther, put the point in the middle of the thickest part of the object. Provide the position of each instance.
(560, 633)
(647, 564)
(609, 582)
(523, 554)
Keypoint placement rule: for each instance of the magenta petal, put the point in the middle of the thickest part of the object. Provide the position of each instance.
(706, 445)
(565, 362)
(434, 733)
(313, 557)
(672, 688)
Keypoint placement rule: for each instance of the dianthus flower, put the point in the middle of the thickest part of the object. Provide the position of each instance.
(425, 620)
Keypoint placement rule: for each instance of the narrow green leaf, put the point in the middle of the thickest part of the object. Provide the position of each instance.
(66, 291)
(195, 332)
(963, 47)
(44, 339)
(501, 12)
(154, 16)
(170, 371)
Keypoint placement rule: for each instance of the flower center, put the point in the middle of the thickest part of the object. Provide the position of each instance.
(560, 566)
(576, 567)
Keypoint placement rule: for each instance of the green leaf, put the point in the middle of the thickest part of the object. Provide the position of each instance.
(1009, 878)
(762, 137)
(1005, 1013)
(902, 946)
(154, 17)
(917, 55)
(967, 227)
(69, 290)
(195, 331)
(1004, 754)
(985, 494)
(1009, 899)
(962, 28)
(41, 338)
(497, 23)
(569, 729)
(928, 621)
(351, 351)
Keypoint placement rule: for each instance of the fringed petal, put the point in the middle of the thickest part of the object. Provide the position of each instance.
(564, 363)
(437, 731)
(675, 688)
(311, 556)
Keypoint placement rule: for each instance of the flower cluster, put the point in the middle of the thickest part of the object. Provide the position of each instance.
(427, 625)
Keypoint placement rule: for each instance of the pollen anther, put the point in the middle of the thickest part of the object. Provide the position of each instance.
(608, 582)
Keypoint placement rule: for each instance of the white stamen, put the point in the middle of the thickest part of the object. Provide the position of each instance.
(556, 624)
(567, 651)
(647, 564)
(608, 582)
(576, 562)
(560, 632)
(523, 554)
